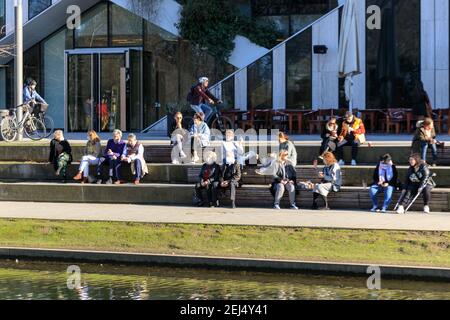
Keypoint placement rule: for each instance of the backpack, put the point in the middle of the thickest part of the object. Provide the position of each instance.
(190, 95)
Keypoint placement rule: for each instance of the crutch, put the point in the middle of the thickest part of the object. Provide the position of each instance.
(419, 192)
(400, 199)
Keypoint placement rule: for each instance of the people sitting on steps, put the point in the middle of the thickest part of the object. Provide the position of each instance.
(209, 179)
(91, 157)
(284, 179)
(179, 139)
(353, 134)
(331, 181)
(231, 176)
(199, 97)
(329, 137)
(112, 158)
(385, 181)
(418, 177)
(289, 146)
(200, 135)
(425, 138)
(133, 154)
(60, 154)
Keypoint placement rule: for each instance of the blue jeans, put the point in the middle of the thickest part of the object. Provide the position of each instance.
(207, 110)
(425, 146)
(388, 192)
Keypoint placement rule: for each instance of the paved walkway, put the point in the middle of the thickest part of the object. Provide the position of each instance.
(240, 216)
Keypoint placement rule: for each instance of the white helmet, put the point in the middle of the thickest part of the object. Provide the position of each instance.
(202, 80)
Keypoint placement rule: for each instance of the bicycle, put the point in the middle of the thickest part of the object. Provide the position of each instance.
(216, 120)
(40, 112)
(31, 126)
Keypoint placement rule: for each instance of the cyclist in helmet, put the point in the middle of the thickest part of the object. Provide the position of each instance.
(199, 97)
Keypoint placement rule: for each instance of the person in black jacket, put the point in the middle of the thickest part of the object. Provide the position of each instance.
(418, 175)
(231, 176)
(329, 137)
(60, 154)
(284, 179)
(209, 179)
(385, 179)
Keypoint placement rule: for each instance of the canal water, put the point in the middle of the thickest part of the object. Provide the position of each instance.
(39, 280)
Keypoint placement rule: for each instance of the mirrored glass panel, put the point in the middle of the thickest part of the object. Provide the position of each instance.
(260, 83)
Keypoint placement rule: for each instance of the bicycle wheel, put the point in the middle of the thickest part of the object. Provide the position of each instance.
(222, 124)
(34, 129)
(8, 129)
(49, 125)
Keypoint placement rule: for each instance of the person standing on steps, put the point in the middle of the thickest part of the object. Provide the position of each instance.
(114, 150)
(353, 134)
(284, 179)
(92, 155)
(331, 181)
(199, 97)
(385, 180)
(60, 154)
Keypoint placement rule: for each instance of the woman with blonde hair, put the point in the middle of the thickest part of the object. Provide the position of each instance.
(284, 179)
(60, 154)
(331, 180)
(92, 154)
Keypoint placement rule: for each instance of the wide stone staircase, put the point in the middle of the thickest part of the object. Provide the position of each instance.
(25, 175)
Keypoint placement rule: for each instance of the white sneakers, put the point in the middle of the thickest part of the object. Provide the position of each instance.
(341, 162)
(183, 155)
(354, 163)
(401, 210)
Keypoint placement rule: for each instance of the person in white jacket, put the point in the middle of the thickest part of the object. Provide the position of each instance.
(134, 155)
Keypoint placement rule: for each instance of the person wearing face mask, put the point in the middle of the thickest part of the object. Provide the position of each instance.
(230, 146)
(209, 179)
(92, 154)
(231, 176)
(112, 158)
(284, 179)
(200, 136)
(385, 180)
(133, 154)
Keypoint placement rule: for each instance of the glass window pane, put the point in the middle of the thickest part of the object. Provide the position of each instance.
(228, 93)
(53, 76)
(2, 18)
(32, 65)
(126, 27)
(93, 31)
(298, 71)
(393, 53)
(259, 83)
(37, 6)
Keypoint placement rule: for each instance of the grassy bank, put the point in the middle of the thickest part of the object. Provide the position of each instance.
(383, 247)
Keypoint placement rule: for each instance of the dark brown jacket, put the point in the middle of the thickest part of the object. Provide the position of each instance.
(419, 137)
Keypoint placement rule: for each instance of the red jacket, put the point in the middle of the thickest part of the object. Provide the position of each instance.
(201, 95)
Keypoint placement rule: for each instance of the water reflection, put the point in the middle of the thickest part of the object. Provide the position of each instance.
(26, 280)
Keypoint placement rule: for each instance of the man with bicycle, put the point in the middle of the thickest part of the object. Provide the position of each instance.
(199, 97)
(31, 96)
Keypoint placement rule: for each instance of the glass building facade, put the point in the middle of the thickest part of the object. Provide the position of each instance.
(37, 6)
(393, 53)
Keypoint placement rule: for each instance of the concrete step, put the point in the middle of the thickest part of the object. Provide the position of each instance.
(181, 194)
(166, 173)
(160, 152)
